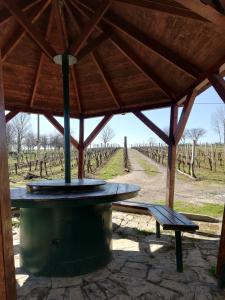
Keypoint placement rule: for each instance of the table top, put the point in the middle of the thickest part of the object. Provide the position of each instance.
(60, 184)
(107, 193)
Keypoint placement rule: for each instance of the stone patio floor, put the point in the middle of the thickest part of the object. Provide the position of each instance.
(143, 267)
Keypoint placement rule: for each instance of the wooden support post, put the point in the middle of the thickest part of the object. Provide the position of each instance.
(172, 149)
(11, 115)
(81, 150)
(7, 269)
(218, 83)
(220, 270)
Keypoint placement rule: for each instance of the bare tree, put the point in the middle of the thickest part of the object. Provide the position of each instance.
(10, 136)
(218, 123)
(21, 126)
(107, 135)
(44, 141)
(30, 141)
(184, 137)
(195, 133)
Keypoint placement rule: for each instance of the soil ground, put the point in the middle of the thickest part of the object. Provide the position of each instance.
(153, 188)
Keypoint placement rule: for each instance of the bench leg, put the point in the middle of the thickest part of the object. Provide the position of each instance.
(179, 256)
(157, 229)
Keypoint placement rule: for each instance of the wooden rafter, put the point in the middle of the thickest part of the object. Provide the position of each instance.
(20, 33)
(184, 116)
(106, 79)
(219, 84)
(163, 7)
(98, 14)
(60, 23)
(149, 73)
(26, 5)
(150, 43)
(11, 115)
(97, 130)
(41, 61)
(92, 45)
(206, 12)
(29, 28)
(153, 127)
(73, 68)
(60, 128)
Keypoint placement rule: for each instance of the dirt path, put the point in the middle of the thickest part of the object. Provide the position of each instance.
(153, 188)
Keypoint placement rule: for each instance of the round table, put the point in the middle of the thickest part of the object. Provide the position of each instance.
(66, 229)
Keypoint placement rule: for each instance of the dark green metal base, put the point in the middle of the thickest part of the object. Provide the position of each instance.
(66, 241)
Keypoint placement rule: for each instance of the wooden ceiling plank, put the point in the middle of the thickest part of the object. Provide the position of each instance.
(20, 33)
(76, 89)
(150, 43)
(219, 84)
(163, 7)
(26, 5)
(206, 12)
(72, 69)
(41, 61)
(97, 130)
(106, 79)
(60, 128)
(60, 23)
(29, 28)
(149, 73)
(92, 45)
(90, 26)
(153, 127)
(184, 116)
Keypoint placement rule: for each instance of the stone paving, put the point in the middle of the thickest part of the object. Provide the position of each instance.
(143, 267)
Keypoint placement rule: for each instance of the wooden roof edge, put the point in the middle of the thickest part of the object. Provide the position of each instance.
(92, 113)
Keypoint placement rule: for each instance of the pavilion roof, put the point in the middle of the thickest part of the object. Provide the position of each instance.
(131, 54)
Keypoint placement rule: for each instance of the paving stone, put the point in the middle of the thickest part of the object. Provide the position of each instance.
(58, 282)
(121, 297)
(176, 286)
(204, 276)
(38, 294)
(57, 294)
(75, 294)
(202, 293)
(155, 275)
(111, 288)
(98, 275)
(93, 292)
(194, 258)
(185, 277)
(116, 264)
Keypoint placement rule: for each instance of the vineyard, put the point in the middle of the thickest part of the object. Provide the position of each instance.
(50, 163)
(196, 161)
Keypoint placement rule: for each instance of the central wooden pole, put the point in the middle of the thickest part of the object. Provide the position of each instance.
(66, 96)
(81, 150)
(7, 269)
(172, 150)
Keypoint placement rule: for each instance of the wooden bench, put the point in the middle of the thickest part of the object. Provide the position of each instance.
(169, 220)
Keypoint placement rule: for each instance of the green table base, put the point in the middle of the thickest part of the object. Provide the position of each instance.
(66, 241)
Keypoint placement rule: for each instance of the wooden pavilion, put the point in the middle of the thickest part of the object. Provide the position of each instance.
(117, 56)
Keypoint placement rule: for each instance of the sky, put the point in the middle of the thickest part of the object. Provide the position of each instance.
(137, 133)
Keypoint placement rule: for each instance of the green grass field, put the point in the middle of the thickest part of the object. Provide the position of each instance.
(113, 167)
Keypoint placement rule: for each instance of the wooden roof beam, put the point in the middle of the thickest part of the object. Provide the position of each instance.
(29, 28)
(11, 115)
(150, 43)
(205, 11)
(60, 23)
(92, 45)
(26, 5)
(96, 131)
(219, 84)
(106, 79)
(163, 7)
(153, 127)
(60, 128)
(39, 68)
(20, 33)
(184, 116)
(149, 73)
(90, 26)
